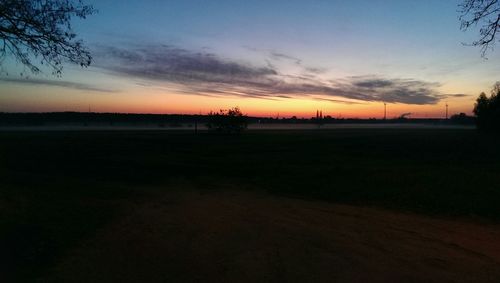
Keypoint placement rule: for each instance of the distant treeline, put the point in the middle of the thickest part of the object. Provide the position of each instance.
(172, 120)
(40, 119)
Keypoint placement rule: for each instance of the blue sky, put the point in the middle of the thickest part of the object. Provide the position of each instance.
(266, 55)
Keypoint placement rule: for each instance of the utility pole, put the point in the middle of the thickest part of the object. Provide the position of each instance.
(385, 111)
(196, 124)
(446, 110)
(86, 123)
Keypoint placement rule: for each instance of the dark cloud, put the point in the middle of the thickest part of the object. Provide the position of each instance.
(337, 100)
(66, 84)
(408, 91)
(457, 95)
(203, 73)
(175, 64)
(373, 83)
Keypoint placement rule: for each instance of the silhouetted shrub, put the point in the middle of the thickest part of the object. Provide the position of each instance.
(227, 121)
(462, 119)
(487, 110)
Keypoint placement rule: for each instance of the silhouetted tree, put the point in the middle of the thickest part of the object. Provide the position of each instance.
(227, 121)
(41, 30)
(486, 14)
(487, 110)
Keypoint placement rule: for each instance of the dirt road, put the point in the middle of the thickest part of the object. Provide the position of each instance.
(256, 237)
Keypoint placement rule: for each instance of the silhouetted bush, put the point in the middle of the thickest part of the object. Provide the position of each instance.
(227, 121)
(462, 119)
(487, 110)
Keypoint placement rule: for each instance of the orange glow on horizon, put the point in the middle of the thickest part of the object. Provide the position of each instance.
(157, 101)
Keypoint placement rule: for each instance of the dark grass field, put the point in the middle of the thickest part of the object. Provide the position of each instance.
(58, 188)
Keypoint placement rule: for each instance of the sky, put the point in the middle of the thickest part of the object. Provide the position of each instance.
(270, 58)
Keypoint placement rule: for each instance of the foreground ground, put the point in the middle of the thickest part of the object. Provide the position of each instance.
(345, 205)
(236, 236)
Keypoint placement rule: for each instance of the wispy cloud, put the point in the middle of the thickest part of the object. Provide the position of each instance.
(315, 70)
(457, 95)
(170, 63)
(281, 56)
(58, 83)
(204, 73)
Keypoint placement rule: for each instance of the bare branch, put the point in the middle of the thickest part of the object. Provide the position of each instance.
(41, 30)
(486, 15)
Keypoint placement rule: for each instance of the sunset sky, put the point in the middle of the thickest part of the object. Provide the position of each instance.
(345, 58)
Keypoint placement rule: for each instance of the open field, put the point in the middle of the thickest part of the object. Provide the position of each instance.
(345, 204)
